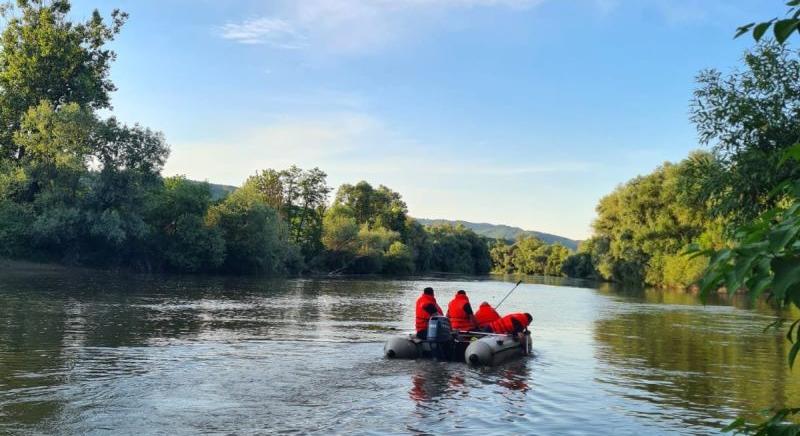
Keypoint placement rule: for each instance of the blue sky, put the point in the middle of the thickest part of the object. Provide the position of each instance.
(521, 112)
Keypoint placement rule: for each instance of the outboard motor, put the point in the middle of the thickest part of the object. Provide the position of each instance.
(440, 337)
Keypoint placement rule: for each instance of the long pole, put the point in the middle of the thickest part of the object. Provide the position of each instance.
(509, 293)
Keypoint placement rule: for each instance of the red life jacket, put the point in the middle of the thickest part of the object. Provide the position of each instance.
(505, 326)
(422, 315)
(460, 320)
(486, 314)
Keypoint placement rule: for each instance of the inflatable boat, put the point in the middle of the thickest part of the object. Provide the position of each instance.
(474, 348)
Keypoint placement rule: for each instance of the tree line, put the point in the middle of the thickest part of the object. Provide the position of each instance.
(80, 187)
(748, 120)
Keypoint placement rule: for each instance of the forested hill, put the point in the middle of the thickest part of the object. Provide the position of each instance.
(493, 231)
(500, 231)
(219, 192)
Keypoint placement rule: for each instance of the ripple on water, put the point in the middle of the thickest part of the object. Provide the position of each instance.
(304, 356)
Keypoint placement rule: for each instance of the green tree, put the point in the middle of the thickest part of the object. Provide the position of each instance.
(380, 207)
(256, 238)
(579, 265)
(399, 259)
(301, 198)
(647, 221)
(749, 118)
(502, 255)
(45, 56)
(458, 249)
(418, 240)
(185, 241)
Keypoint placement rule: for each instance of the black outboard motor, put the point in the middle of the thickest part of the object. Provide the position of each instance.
(440, 337)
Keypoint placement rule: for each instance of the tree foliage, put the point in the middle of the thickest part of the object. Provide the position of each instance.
(644, 226)
(749, 118)
(45, 56)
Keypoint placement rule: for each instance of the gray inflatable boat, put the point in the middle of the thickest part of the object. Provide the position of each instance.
(474, 348)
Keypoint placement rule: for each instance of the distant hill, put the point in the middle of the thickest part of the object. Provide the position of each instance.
(500, 231)
(493, 231)
(219, 192)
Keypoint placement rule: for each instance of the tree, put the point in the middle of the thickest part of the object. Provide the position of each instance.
(579, 265)
(644, 223)
(256, 239)
(185, 241)
(45, 56)
(749, 118)
(399, 259)
(458, 249)
(502, 255)
(380, 207)
(418, 240)
(782, 28)
(301, 198)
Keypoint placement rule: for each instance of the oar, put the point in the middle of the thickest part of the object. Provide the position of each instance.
(509, 293)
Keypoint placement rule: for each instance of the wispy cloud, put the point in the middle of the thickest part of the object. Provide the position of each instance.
(347, 26)
(273, 31)
(349, 145)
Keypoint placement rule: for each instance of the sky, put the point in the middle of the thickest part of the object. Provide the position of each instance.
(517, 112)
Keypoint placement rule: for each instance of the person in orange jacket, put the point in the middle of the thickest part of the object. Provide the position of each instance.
(510, 324)
(486, 314)
(460, 313)
(426, 307)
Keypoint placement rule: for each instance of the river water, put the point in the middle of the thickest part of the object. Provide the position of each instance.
(99, 353)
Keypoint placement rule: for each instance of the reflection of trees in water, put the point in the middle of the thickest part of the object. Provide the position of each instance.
(432, 381)
(638, 294)
(48, 318)
(695, 360)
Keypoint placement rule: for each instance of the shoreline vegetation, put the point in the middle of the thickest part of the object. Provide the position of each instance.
(81, 188)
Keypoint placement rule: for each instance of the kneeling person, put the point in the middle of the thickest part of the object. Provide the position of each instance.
(511, 324)
(486, 314)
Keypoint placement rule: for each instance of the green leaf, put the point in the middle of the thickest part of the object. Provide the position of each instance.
(774, 325)
(793, 3)
(793, 353)
(784, 28)
(791, 330)
(787, 274)
(781, 236)
(738, 423)
(792, 152)
(760, 30)
(756, 289)
(743, 29)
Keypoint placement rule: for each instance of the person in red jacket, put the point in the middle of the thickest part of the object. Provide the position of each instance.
(426, 308)
(486, 314)
(510, 324)
(460, 313)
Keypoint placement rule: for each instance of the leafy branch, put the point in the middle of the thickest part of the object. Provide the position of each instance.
(781, 28)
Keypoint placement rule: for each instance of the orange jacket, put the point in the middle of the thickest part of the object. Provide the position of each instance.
(505, 325)
(486, 314)
(460, 313)
(424, 303)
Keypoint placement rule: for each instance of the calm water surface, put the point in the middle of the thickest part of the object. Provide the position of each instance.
(99, 353)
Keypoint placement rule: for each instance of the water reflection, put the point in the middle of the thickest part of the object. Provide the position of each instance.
(705, 361)
(84, 352)
(433, 381)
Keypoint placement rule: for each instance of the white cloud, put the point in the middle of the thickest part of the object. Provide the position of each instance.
(264, 30)
(435, 179)
(308, 141)
(350, 146)
(348, 26)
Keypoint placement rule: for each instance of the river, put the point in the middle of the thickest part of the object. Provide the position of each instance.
(86, 352)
